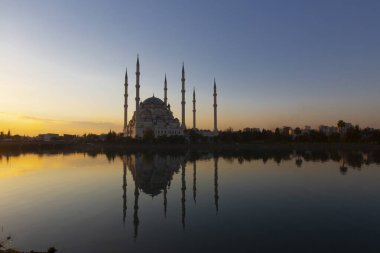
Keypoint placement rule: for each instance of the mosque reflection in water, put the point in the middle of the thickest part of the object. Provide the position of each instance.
(152, 174)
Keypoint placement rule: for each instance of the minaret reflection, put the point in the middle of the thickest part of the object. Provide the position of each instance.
(131, 165)
(216, 194)
(183, 198)
(136, 220)
(124, 187)
(195, 181)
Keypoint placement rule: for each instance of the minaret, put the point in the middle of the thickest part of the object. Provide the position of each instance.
(183, 97)
(125, 130)
(215, 111)
(194, 110)
(165, 91)
(137, 83)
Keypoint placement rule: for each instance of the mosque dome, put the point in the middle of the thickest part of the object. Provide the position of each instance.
(153, 101)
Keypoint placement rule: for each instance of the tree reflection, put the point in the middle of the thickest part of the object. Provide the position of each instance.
(299, 162)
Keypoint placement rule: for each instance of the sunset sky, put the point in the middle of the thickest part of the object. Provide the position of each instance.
(276, 63)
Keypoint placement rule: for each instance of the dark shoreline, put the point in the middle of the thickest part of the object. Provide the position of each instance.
(41, 147)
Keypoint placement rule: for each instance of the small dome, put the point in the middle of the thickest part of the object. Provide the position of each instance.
(153, 101)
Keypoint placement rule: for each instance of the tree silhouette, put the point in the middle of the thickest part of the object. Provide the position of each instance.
(341, 124)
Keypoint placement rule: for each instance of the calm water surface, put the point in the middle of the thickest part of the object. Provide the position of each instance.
(259, 202)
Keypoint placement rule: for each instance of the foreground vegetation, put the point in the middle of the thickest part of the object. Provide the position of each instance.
(4, 248)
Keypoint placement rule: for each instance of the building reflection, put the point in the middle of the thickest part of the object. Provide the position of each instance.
(152, 174)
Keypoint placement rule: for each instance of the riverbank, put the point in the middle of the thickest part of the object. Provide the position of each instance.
(4, 249)
(51, 250)
(25, 147)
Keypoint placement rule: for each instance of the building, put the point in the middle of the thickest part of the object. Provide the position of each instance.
(343, 129)
(306, 130)
(328, 130)
(47, 137)
(69, 137)
(252, 130)
(154, 115)
(207, 133)
(288, 131)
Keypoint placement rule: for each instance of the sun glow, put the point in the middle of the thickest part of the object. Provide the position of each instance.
(32, 126)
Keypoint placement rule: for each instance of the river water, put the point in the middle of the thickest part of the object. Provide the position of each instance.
(270, 201)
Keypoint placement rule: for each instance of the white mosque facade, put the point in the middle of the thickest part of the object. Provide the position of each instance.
(155, 115)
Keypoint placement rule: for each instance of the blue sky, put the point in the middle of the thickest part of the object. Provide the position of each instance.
(62, 63)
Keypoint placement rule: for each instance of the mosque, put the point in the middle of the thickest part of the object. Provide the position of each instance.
(154, 114)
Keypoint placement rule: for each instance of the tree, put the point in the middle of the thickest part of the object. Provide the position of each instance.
(195, 136)
(375, 136)
(299, 162)
(341, 124)
(229, 129)
(111, 136)
(353, 134)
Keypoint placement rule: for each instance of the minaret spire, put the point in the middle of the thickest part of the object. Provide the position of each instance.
(137, 83)
(165, 91)
(194, 110)
(125, 129)
(183, 96)
(215, 109)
